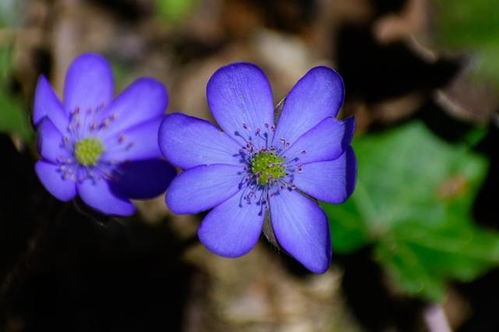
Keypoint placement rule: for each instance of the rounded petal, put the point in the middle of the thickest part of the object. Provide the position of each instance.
(139, 142)
(203, 187)
(329, 181)
(143, 179)
(89, 83)
(301, 228)
(144, 100)
(231, 230)
(52, 179)
(187, 142)
(51, 142)
(315, 96)
(240, 98)
(326, 141)
(47, 104)
(98, 195)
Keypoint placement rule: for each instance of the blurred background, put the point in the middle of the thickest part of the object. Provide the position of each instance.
(416, 248)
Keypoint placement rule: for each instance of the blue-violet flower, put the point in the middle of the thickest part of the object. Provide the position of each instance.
(257, 167)
(104, 150)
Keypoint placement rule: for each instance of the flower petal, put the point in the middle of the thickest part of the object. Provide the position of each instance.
(54, 182)
(139, 142)
(143, 179)
(203, 187)
(317, 95)
(51, 142)
(98, 194)
(330, 181)
(326, 141)
(231, 230)
(301, 228)
(47, 104)
(187, 142)
(89, 83)
(144, 100)
(240, 98)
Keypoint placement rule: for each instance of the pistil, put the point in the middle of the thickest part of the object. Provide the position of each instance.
(88, 151)
(267, 167)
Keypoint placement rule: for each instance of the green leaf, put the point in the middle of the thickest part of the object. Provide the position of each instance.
(452, 250)
(349, 230)
(471, 26)
(422, 259)
(13, 117)
(5, 64)
(407, 268)
(468, 23)
(412, 202)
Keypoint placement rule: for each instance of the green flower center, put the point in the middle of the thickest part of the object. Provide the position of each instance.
(267, 167)
(88, 151)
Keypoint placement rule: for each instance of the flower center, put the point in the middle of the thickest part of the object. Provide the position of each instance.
(267, 167)
(88, 151)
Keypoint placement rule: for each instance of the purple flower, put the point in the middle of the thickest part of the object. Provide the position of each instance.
(102, 149)
(257, 166)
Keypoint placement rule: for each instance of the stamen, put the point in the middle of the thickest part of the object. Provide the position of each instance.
(265, 171)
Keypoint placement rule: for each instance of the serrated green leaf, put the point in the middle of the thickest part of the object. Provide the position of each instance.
(412, 202)
(408, 174)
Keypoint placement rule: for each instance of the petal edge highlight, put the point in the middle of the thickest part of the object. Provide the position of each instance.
(240, 98)
(142, 101)
(89, 83)
(203, 187)
(314, 97)
(331, 181)
(230, 230)
(98, 195)
(47, 104)
(53, 181)
(188, 142)
(301, 228)
(50, 142)
(326, 141)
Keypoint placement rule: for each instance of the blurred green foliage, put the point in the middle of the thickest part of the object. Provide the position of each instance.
(13, 116)
(472, 26)
(174, 10)
(10, 13)
(412, 203)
